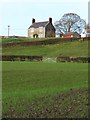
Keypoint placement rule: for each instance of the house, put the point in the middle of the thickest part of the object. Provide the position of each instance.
(88, 32)
(41, 29)
(70, 35)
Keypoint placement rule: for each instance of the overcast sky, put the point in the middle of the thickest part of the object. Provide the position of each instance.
(19, 13)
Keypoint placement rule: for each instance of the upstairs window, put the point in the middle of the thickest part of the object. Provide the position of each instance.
(32, 29)
(40, 29)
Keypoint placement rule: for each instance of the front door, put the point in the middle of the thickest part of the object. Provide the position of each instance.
(35, 35)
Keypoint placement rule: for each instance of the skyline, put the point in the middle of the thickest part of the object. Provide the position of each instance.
(18, 15)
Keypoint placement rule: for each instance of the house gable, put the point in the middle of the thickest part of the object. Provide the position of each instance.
(49, 30)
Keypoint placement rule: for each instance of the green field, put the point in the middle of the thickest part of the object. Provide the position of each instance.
(37, 89)
(42, 89)
(75, 48)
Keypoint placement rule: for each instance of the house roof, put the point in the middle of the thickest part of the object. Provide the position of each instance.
(39, 24)
(70, 33)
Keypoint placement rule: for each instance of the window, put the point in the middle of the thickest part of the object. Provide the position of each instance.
(40, 35)
(40, 29)
(32, 29)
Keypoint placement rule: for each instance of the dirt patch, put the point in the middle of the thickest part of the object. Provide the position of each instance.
(71, 104)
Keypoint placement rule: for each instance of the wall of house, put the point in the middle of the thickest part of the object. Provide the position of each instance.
(50, 30)
(36, 31)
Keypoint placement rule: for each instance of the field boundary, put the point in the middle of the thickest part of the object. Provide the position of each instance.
(43, 42)
(74, 59)
(41, 58)
(20, 58)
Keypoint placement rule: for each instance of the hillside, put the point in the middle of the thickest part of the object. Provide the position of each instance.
(42, 89)
(75, 48)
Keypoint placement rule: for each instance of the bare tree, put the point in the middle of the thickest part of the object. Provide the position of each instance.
(70, 22)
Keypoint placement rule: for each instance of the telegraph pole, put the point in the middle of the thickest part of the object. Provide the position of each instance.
(8, 30)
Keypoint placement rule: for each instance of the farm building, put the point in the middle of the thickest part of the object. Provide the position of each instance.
(70, 35)
(88, 30)
(88, 33)
(41, 29)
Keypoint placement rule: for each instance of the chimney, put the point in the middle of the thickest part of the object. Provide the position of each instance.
(33, 20)
(50, 20)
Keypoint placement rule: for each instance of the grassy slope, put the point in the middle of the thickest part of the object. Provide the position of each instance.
(17, 40)
(45, 89)
(75, 48)
(32, 86)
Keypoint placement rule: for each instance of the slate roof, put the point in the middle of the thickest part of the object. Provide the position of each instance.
(39, 24)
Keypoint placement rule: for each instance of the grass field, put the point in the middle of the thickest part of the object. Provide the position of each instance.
(75, 48)
(45, 89)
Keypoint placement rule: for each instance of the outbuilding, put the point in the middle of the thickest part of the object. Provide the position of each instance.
(70, 35)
